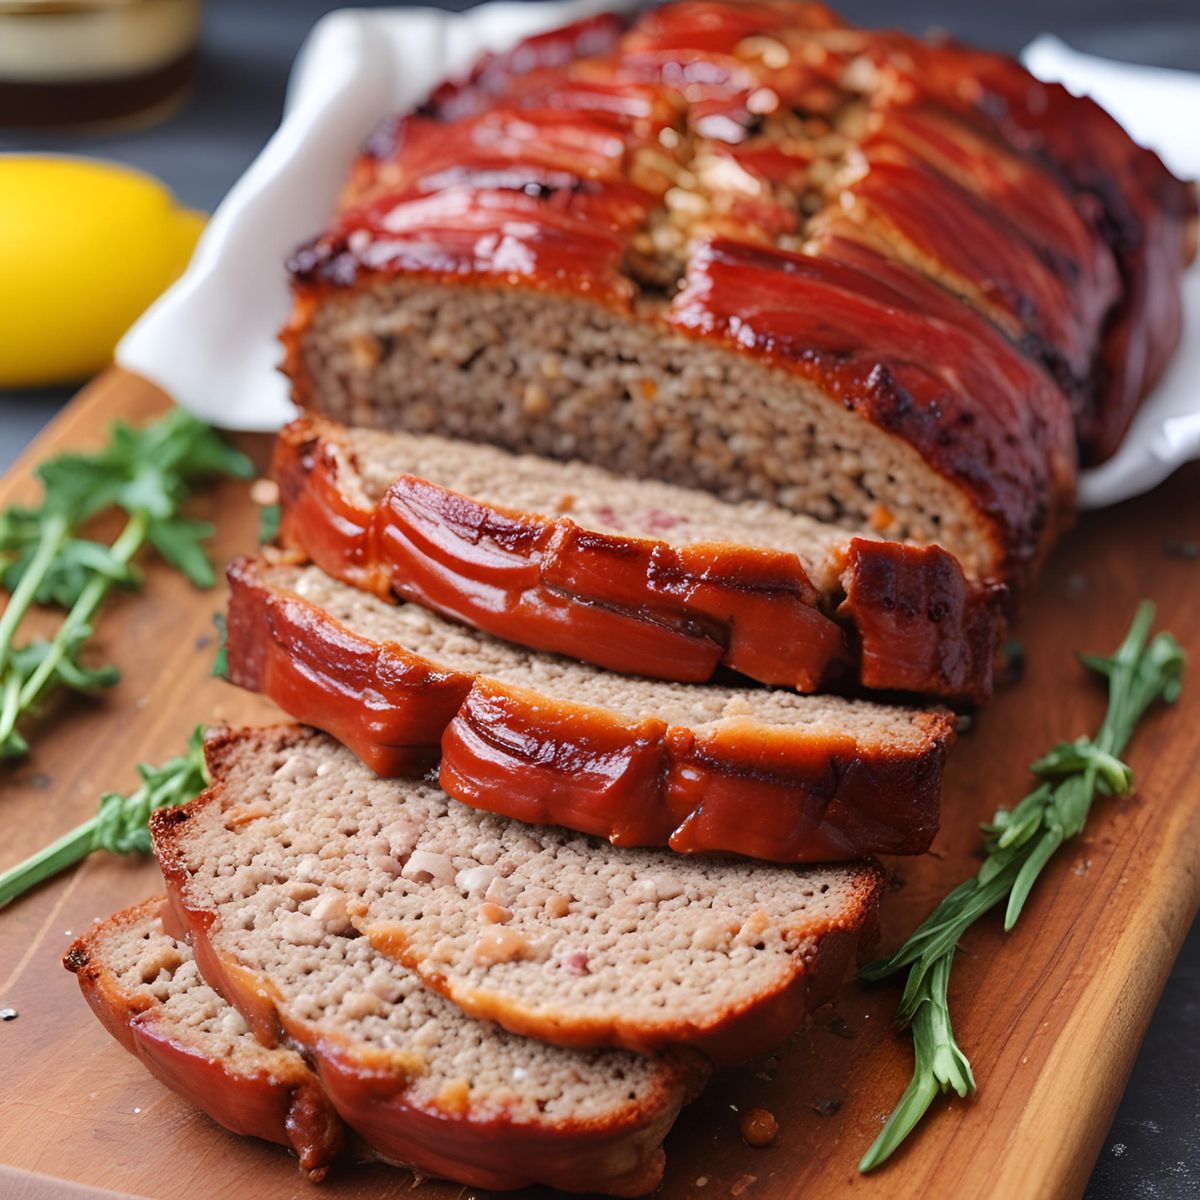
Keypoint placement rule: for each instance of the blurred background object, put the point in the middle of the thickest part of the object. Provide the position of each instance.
(84, 247)
(241, 68)
(95, 62)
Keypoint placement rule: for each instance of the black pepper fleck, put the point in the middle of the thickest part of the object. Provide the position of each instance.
(826, 1108)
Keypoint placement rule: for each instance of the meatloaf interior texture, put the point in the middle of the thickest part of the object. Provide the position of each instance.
(422, 1083)
(752, 249)
(544, 931)
(147, 991)
(571, 379)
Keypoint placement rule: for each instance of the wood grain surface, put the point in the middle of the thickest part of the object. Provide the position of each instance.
(1051, 1015)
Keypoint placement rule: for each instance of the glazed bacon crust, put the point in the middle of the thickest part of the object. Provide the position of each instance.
(910, 620)
(614, 162)
(774, 793)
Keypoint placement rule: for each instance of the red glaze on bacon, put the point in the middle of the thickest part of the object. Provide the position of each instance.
(551, 166)
(636, 604)
(918, 375)
(777, 792)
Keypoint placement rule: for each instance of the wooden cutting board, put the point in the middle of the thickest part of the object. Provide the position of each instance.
(1050, 1015)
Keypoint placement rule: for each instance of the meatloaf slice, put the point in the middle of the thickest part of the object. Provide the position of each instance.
(548, 933)
(633, 575)
(767, 774)
(145, 987)
(423, 1084)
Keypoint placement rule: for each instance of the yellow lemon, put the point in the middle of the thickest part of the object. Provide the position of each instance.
(84, 247)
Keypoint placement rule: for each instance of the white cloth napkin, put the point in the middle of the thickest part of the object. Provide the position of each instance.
(210, 339)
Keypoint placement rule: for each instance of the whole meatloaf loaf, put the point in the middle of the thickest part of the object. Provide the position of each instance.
(754, 771)
(547, 933)
(144, 986)
(634, 575)
(752, 249)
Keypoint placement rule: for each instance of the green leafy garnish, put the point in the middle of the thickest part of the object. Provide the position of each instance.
(145, 473)
(220, 666)
(1019, 843)
(121, 823)
(268, 523)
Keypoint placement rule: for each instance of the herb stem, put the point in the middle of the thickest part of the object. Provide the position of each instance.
(54, 534)
(123, 550)
(145, 473)
(120, 824)
(1020, 842)
(48, 862)
(941, 1065)
(10, 704)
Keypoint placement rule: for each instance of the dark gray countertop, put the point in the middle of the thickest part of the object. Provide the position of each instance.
(1153, 1149)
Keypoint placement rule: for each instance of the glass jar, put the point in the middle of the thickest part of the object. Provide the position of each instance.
(94, 62)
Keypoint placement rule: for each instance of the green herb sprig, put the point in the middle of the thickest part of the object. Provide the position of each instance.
(121, 823)
(268, 523)
(146, 473)
(1019, 843)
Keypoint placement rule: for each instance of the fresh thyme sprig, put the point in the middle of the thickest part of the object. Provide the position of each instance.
(121, 822)
(143, 472)
(1019, 843)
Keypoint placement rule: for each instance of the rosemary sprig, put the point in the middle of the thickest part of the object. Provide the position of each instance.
(146, 473)
(1019, 843)
(121, 822)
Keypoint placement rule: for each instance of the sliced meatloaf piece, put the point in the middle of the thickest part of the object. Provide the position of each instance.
(145, 987)
(547, 933)
(767, 774)
(637, 576)
(421, 1083)
(752, 249)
